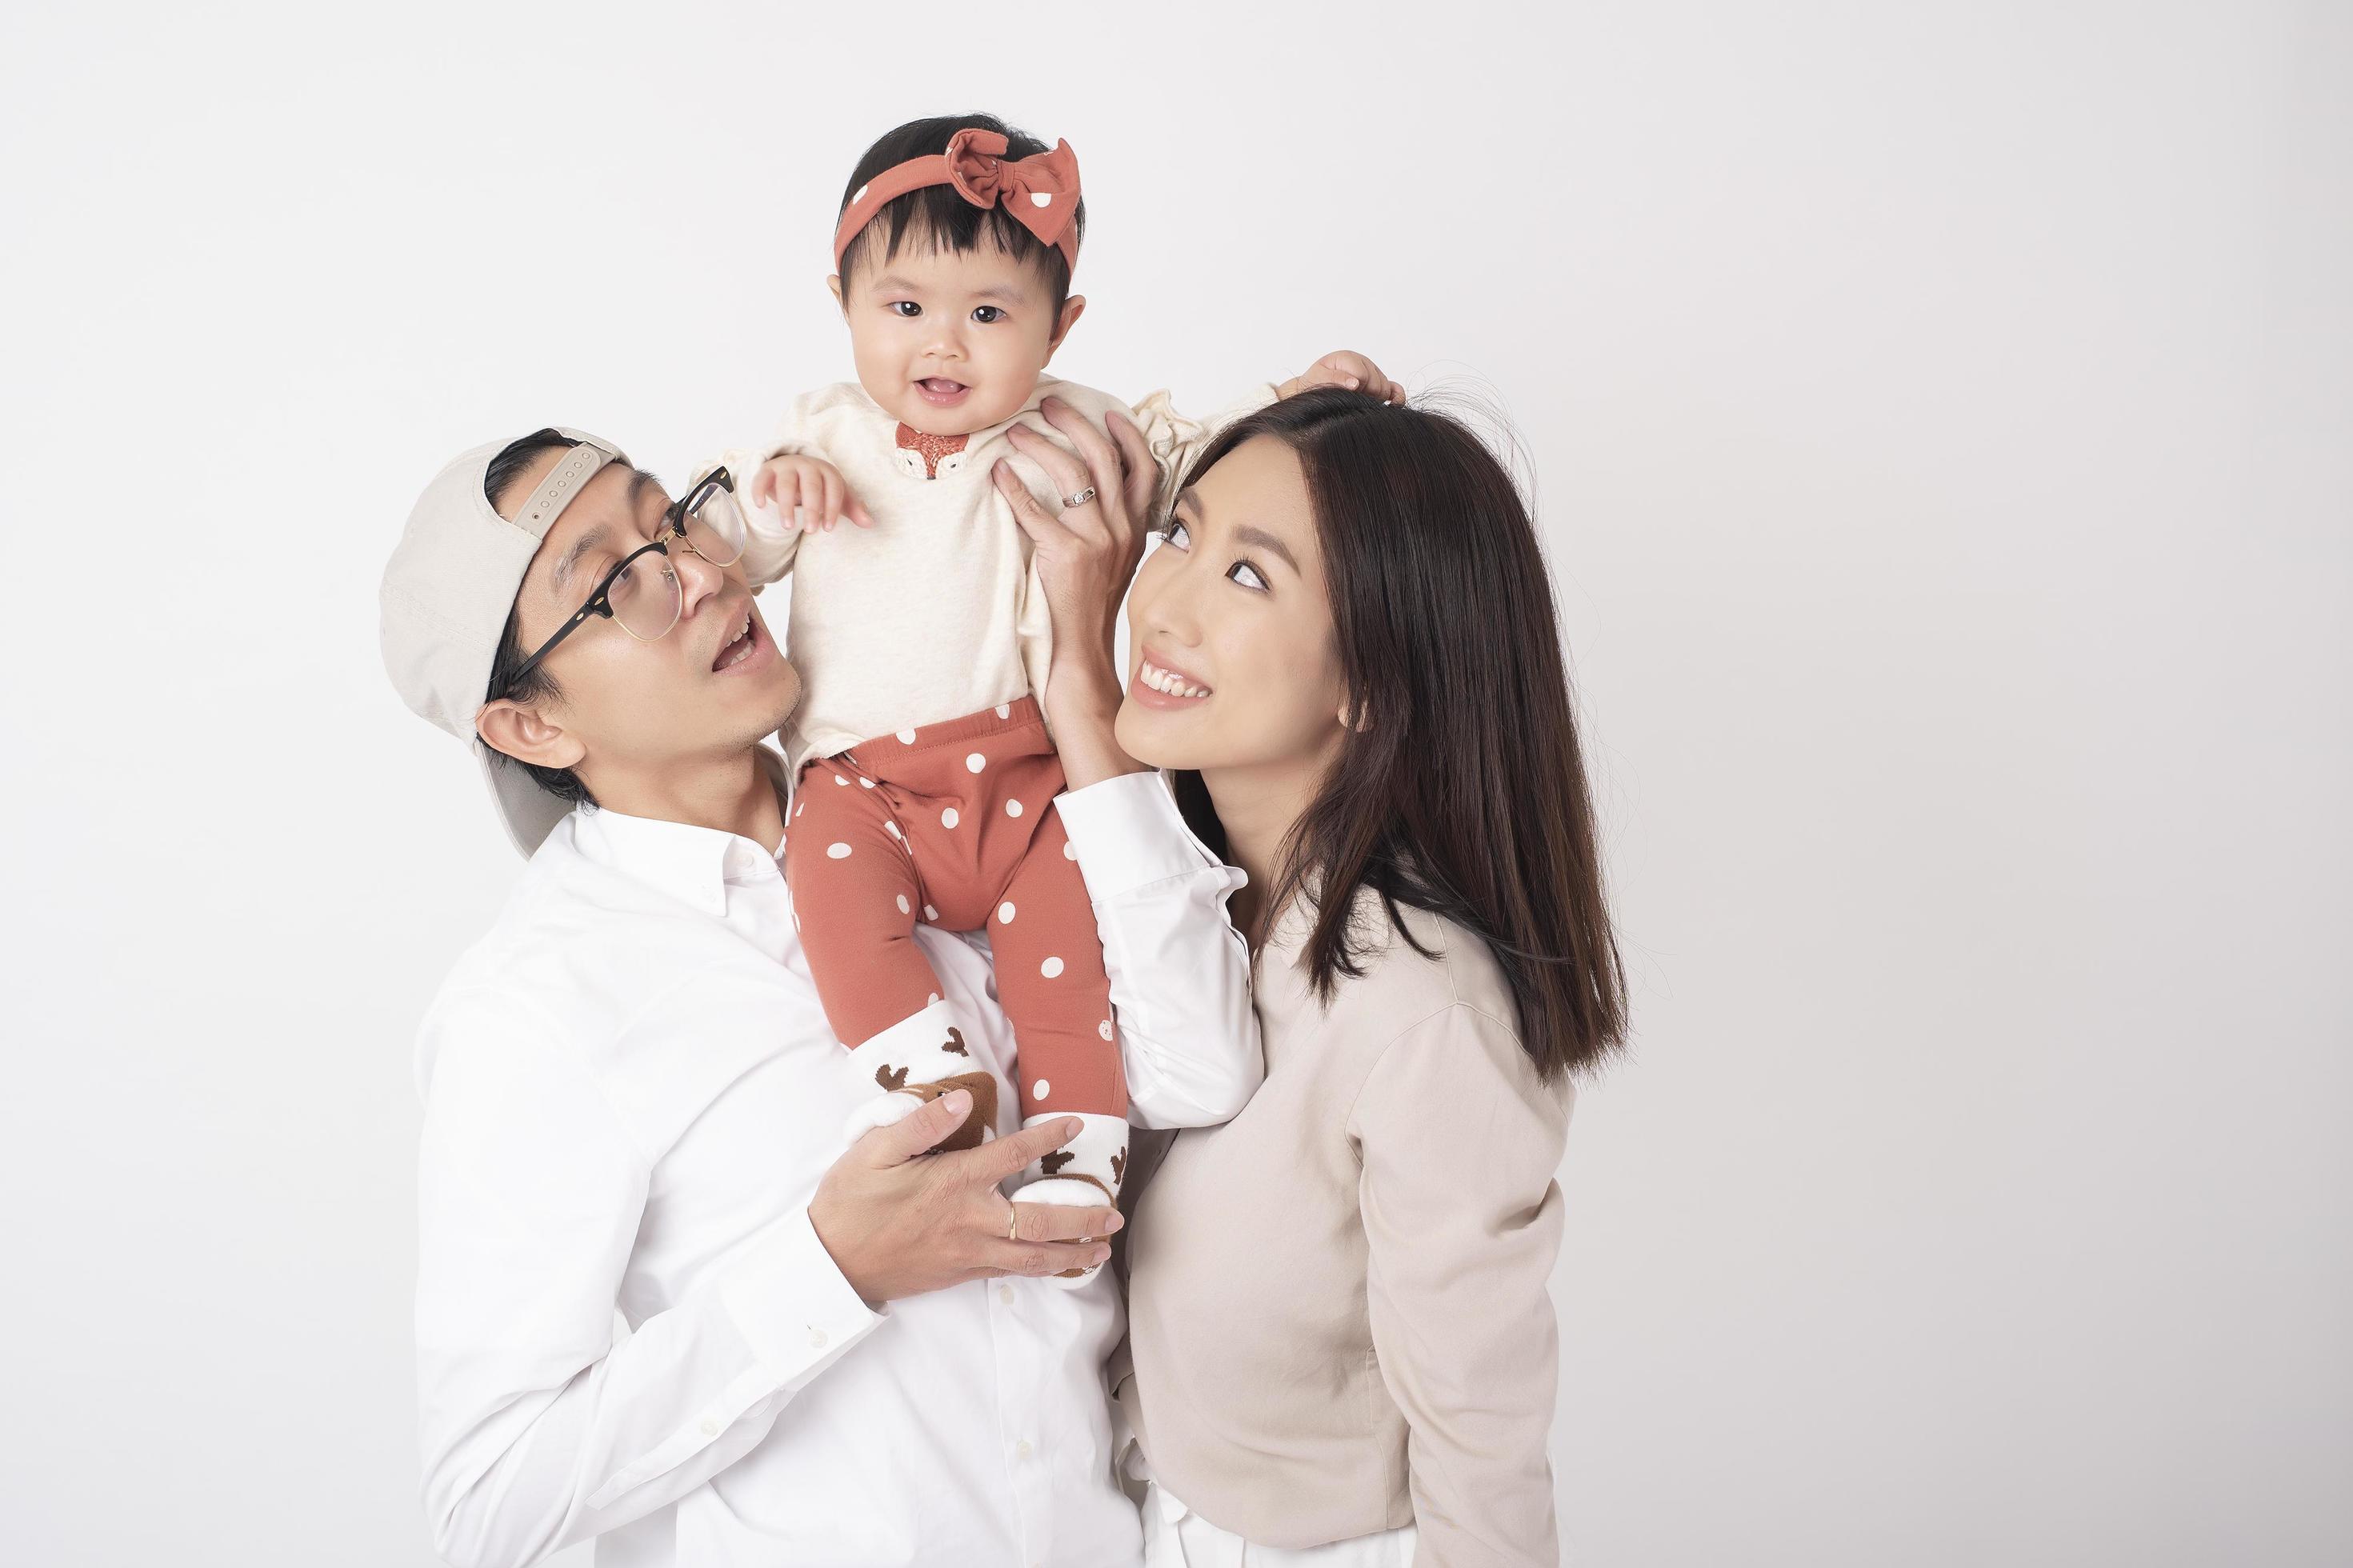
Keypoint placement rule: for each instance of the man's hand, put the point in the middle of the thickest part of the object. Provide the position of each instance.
(900, 1221)
(807, 492)
(1346, 368)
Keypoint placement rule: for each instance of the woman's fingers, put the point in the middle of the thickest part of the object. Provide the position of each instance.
(1068, 473)
(1104, 469)
(1040, 525)
(1141, 474)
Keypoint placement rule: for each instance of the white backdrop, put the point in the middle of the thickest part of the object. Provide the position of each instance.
(1941, 417)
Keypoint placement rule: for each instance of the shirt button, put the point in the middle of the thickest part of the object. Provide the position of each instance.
(1021, 1449)
(711, 1428)
(817, 1337)
(1005, 1294)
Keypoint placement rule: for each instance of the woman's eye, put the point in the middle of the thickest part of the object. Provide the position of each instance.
(1176, 535)
(1245, 573)
(906, 309)
(987, 314)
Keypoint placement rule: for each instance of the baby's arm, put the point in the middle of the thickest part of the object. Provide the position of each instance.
(786, 489)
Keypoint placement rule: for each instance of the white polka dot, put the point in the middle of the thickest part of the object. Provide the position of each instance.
(1050, 968)
(907, 737)
(904, 907)
(1041, 1090)
(975, 762)
(1104, 1029)
(866, 783)
(837, 851)
(1004, 914)
(1042, 198)
(1012, 809)
(853, 202)
(934, 1001)
(891, 828)
(1070, 850)
(948, 818)
(841, 781)
(800, 809)
(931, 914)
(1005, 710)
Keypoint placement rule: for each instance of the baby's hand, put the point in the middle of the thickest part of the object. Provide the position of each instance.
(1346, 368)
(806, 493)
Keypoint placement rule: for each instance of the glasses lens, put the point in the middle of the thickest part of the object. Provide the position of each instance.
(645, 596)
(715, 526)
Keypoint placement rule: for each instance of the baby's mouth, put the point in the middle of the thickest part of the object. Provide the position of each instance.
(940, 389)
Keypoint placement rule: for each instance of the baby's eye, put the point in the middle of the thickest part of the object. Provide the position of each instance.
(1245, 573)
(906, 309)
(1176, 535)
(987, 314)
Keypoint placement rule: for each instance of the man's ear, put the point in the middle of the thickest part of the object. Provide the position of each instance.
(526, 735)
(833, 283)
(1072, 308)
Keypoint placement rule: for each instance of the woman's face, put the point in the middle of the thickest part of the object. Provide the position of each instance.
(1232, 660)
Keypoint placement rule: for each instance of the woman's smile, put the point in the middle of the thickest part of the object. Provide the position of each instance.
(1157, 685)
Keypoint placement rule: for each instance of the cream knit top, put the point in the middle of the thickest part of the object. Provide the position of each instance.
(935, 611)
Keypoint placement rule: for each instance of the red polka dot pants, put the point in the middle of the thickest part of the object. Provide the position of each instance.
(952, 825)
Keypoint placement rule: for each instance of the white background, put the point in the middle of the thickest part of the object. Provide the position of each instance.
(1941, 412)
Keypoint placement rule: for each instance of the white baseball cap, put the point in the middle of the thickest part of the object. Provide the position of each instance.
(447, 594)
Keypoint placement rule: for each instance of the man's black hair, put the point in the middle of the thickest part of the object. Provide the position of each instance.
(506, 470)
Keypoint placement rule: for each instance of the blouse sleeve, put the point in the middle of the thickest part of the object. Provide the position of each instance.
(1458, 1142)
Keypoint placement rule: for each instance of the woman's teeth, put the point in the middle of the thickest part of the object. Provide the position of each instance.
(1174, 685)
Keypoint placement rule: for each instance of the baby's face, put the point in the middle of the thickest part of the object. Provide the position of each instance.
(952, 343)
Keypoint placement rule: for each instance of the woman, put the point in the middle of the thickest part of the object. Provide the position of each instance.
(1343, 1348)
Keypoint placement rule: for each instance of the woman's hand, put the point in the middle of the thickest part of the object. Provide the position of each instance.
(1344, 368)
(1086, 553)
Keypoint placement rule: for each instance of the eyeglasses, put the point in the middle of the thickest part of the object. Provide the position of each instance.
(642, 593)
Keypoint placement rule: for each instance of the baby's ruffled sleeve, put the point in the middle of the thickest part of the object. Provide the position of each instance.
(1176, 440)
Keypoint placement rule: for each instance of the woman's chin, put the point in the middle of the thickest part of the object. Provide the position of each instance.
(1147, 734)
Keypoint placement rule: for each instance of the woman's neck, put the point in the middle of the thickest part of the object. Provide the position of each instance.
(1258, 808)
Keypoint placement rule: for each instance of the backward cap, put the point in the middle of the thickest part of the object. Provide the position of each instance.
(446, 593)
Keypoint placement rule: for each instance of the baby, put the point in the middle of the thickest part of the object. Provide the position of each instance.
(923, 775)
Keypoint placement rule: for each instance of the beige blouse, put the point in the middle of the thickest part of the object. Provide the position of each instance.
(1338, 1318)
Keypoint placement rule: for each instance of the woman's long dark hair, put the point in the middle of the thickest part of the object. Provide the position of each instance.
(1462, 791)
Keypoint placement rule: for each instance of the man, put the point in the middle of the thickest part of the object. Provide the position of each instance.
(656, 1304)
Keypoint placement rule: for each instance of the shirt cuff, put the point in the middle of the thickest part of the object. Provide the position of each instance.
(791, 1303)
(1128, 834)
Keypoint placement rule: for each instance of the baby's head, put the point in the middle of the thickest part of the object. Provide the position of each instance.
(954, 307)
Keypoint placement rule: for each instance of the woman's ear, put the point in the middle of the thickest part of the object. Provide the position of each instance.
(525, 735)
(1355, 719)
(1072, 308)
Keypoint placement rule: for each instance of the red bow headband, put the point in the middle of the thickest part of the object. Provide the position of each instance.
(1040, 191)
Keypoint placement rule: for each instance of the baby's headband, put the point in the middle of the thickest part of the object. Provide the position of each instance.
(1041, 191)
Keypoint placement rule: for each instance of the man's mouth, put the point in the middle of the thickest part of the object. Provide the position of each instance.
(939, 389)
(1163, 687)
(740, 646)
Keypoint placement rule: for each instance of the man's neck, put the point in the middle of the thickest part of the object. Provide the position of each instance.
(733, 794)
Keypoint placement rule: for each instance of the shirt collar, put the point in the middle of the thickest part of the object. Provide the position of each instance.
(692, 863)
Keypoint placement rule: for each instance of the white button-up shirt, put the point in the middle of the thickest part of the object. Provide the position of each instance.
(626, 1328)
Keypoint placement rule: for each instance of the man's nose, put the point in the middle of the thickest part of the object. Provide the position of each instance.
(696, 579)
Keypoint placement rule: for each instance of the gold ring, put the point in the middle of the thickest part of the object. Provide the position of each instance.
(1012, 1223)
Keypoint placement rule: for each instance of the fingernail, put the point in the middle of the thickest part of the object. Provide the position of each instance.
(1117, 1219)
(957, 1100)
(1353, 384)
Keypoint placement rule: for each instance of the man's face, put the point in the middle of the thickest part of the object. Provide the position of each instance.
(714, 685)
(951, 344)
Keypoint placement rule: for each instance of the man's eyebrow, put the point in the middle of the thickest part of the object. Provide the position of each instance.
(571, 558)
